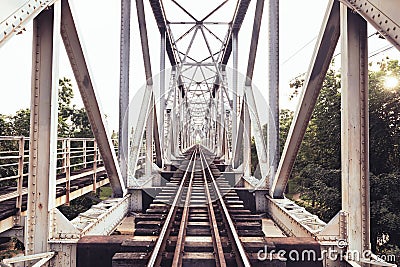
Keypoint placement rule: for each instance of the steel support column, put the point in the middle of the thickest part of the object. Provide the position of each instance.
(168, 152)
(221, 124)
(43, 130)
(162, 84)
(246, 140)
(149, 140)
(325, 47)
(273, 91)
(355, 165)
(235, 47)
(237, 157)
(145, 42)
(123, 139)
(82, 75)
(158, 150)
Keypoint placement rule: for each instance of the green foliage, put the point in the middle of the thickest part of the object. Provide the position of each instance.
(384, 120)
(5, 126)
(285, 119)
(105, 192)
(77, 206)
(321, 190)
(20, 123)
(65, 110)
(80, 124)
(385, 208)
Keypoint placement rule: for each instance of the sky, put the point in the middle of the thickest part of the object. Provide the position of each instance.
(99, 27)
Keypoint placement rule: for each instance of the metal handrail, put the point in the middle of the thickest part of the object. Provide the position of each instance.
(73, 154)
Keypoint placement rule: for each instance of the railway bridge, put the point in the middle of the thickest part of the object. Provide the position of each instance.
(181, 173)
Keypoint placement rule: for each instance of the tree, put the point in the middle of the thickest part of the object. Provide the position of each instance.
(285, 120)
(20, 123)
(384, 119)
(5, 125)
(80, 124)
(72, 121)
(317, 167)
(65, 110)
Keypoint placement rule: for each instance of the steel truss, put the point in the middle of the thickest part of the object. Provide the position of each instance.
(197, 107)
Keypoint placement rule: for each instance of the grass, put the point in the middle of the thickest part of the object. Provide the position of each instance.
(10, 248)
(105, 192)
(293, 189)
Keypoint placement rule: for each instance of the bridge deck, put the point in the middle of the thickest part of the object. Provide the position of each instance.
(196, 219)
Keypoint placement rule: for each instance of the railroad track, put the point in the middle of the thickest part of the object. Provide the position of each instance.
(198, 220)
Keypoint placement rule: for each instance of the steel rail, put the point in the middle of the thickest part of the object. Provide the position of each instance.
(218, 248)
(156, 256)
(180, 242)
(240, 254)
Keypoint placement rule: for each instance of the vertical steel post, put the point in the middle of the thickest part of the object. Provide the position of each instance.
(273, 91)
(355, 160)
(247, 140)
(173, 121)
(235, 53)
(221, 121)
(162, 86)
(170, 139)
(149, 140)
(43, 131)
(123, 139)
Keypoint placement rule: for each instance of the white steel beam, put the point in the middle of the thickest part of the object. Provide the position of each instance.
(163, 48)
(43, 132)
(254, 41)
(249, 96)
(42, 257)
(323, 53)
(82, 75)
(382, 14)
(258, 136)
(246, 139)
(138, 134)
(144, 41)
(19, 18)
(293, 219)
(273, 91)
(235, 52)
(237, 158)
(100, 219)
(157, 138)
(149, 140)
(355, 160)
(123, 133)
